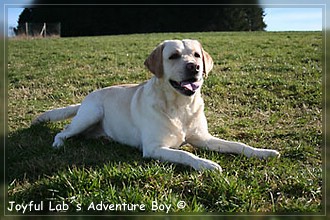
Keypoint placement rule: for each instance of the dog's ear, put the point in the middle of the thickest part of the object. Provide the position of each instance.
(207, 62)
(154, 62)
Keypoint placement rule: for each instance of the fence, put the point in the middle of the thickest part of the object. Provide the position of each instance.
(38, 29)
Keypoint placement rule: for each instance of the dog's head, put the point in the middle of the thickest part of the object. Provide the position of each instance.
(181, 63)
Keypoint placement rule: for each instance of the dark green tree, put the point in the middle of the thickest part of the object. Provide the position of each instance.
(106, 20)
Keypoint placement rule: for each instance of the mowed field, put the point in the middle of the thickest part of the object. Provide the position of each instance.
(265, 90)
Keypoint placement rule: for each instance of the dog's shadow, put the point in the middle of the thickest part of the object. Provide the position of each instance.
(29, 154)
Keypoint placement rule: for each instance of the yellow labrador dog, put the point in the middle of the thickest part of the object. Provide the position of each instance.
(157, 116)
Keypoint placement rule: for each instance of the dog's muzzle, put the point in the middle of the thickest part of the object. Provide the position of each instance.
(186, 87)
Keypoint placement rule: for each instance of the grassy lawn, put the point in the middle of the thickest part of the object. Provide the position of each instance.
(265, 90)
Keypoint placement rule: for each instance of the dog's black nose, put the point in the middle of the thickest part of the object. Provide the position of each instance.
(193, 68)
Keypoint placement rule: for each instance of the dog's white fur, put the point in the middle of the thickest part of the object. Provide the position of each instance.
(154, 116)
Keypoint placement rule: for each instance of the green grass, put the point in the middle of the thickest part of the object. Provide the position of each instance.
(265, 90)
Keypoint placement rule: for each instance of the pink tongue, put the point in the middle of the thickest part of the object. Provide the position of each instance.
(192, 86)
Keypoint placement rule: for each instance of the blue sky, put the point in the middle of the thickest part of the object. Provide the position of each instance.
(13, 14)
(277, 19)
(293, 19)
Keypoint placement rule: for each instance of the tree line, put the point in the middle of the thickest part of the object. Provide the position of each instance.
(110, 20)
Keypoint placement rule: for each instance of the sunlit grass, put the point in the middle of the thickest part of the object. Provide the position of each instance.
(265, 90)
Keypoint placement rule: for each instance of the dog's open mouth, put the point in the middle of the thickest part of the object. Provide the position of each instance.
(187, 87)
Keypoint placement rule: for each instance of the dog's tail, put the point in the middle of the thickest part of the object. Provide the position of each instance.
(57, 114)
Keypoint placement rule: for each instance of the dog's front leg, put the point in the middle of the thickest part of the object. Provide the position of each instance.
(181, 157)
(223, 146)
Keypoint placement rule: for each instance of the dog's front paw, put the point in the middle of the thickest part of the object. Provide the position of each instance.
(274, 153)
(204, 164)
(58, 141)
(265, 153)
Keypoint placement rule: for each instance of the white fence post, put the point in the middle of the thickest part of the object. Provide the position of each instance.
(27, 29)
(40, 29)
(43, 30)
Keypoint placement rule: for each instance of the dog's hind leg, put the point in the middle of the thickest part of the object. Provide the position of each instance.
(86, 117)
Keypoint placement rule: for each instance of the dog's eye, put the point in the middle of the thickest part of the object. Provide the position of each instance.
(174, 56)
(197, 55)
